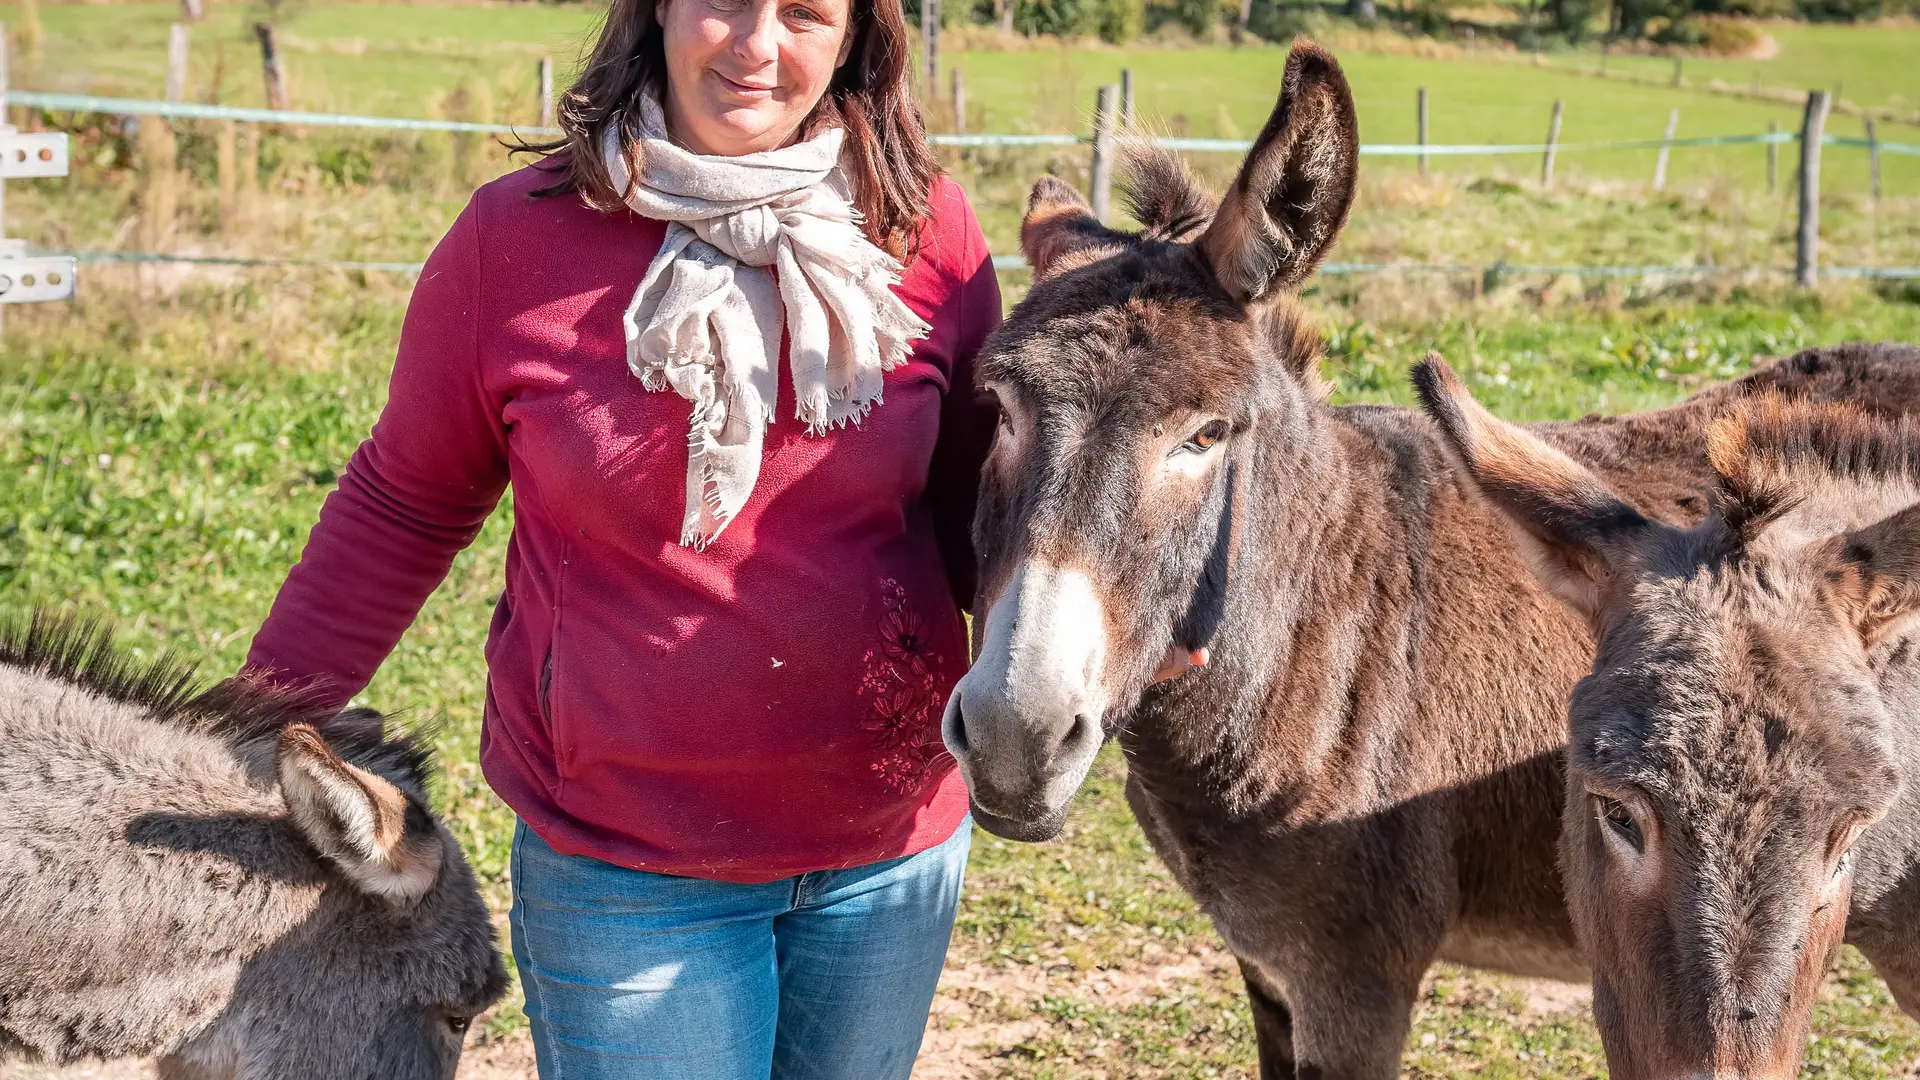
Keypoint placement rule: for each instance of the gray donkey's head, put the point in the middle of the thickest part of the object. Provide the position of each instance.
(240, 887)
(1732, 741)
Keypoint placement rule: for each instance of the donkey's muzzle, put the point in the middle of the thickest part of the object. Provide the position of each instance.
(1025, 722)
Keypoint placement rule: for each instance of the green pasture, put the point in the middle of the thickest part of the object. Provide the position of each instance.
(1868, 66)
(406, 60)
(165, 448)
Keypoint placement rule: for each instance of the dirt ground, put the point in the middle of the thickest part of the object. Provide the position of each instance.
(966, 1035)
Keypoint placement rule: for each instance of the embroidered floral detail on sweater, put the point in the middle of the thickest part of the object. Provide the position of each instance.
(904, 704)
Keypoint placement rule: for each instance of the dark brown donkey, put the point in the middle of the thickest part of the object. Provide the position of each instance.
(1368, 774)
(1754, 699)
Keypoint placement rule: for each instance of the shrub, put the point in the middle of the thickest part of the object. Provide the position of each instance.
(1683, 32)
(1729, 37)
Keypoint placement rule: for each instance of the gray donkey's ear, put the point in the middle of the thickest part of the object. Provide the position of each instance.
(358, 820)
(1573, 530)
(1290, 201)
(1874, 574)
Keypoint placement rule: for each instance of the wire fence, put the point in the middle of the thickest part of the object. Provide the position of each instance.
(1007, 263)
(186, 110)
(90, 103)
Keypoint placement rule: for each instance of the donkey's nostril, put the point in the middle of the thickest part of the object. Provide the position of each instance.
(1085, 731)
(953, 728)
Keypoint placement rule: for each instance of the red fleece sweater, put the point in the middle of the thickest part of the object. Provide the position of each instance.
(763, 708)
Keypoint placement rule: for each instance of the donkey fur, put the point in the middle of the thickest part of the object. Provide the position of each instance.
(1745, 722)
(160, 900)
(1368, 776)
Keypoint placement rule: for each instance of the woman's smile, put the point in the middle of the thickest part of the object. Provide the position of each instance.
(752, 91)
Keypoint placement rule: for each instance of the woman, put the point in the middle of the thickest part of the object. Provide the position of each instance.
(743, 445)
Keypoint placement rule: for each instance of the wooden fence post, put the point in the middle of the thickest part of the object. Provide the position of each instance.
(930, 42)
(160, 197)
(1423, 132)
(1666, 147)
(1553, 143)
(959, 102)
(190, 10)
(1101, 178)
(1126, 99)
(247, 187)
(177, 63)
(1773, 158)
(32, 32)
(270, 65)
(1873, 155)
(546, 91)
(1806, 256)
(1469, 41)
(226, 155)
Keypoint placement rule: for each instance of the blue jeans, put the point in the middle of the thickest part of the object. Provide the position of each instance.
(638, 976)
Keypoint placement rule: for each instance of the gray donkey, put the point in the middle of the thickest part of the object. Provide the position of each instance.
(242, 888)
(1369, 774)
(1735, 804)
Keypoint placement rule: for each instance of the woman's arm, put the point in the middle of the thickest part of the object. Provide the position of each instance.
(967, 418)
(415, 494)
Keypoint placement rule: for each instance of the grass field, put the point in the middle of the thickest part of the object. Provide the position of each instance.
(406, 60)
(165, 440)
(163, 459)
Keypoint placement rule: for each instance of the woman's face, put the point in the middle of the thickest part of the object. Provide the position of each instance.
(742, 75)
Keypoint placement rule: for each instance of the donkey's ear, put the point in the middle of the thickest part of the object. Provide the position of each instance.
(1874, 574)
(1290, 201)
(1060, 232)
(358, 820)
(1572, 528)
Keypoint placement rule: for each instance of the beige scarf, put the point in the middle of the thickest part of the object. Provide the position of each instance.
(707, 318)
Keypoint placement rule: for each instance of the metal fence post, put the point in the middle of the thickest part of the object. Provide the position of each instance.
(1773, 158)
(545, 75)
(1553, 143)
(177, 63)
(959, 102)
(1873, 155)
(1423, 132)
(1806, 256)
(1101, 179)
(28, 278)
(930, 41)
(1666, 148)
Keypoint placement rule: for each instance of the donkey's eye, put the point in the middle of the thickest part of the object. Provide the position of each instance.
(1615, 815)
(459, 1024)
(1204, 439)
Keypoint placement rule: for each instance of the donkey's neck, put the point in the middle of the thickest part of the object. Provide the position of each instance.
(1324, 590)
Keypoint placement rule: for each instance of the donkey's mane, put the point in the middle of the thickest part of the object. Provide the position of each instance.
(1770, 453)
(1161, 193)
(81, 651)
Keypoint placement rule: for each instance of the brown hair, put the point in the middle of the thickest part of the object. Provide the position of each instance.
(892, 167)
